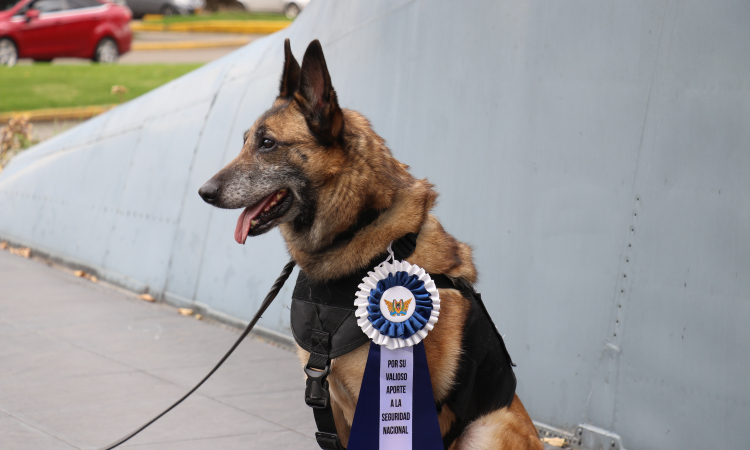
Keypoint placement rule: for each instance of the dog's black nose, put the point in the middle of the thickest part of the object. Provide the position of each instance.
(209, 191)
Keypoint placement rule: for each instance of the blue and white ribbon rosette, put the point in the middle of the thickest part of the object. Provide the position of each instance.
(386, 285)
(397, 305)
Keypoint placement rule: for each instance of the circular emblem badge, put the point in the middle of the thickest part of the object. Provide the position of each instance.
(397, 304)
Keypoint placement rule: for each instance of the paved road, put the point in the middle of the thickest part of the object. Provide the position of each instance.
(174, 36)
(197, 55)
(83, 364)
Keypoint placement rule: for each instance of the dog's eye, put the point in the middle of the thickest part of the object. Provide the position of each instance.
(266, 144)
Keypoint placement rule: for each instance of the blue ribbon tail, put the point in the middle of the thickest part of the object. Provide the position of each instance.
(364, 434)
(424, 421)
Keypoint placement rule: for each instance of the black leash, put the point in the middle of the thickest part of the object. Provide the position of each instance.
(266, 302)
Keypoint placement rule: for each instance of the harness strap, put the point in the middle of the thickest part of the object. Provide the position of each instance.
(404, 246)
(322, 330)
(317, 394)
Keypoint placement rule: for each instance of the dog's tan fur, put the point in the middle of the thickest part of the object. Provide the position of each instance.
(350, 169)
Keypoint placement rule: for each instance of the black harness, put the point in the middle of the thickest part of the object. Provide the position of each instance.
(324, 324)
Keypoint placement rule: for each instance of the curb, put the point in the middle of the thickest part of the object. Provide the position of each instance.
(215, 26)
(69, 265)
(186, 45)
(50, 114)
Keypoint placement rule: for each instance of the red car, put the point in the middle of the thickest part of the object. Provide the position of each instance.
(46, 29)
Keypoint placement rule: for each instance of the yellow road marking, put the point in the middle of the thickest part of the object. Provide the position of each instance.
(215, 26)
(184, 45)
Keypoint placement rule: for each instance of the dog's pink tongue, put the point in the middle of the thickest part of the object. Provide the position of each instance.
(243, 227)
(243, 223)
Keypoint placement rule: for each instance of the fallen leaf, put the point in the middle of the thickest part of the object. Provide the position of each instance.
(3, 245)
(146, 297)
(21, 251)
(88, 276)
(185, 311)
(119, 89)
(556, 441)
(198, 316)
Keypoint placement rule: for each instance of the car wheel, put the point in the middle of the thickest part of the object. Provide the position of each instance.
(8, 53)
(291, 11)
(106, 51)
(168, 10)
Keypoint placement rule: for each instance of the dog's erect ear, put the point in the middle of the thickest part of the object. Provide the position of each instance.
(290, 76)
(317, 97)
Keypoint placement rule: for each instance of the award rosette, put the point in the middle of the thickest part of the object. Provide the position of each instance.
(397, 305)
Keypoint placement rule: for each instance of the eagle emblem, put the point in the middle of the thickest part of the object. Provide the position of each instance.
(398, 307)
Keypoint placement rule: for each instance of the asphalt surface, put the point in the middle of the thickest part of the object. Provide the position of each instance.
(182, 56)
(83, 364)
(174, 36)
(192, 55)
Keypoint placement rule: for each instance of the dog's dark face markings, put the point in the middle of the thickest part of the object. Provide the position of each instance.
(276, 174)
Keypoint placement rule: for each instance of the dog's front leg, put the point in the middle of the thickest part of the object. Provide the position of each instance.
(509, 428)
(341, 401)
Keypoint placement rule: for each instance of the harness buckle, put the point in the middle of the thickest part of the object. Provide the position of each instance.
(328, 441)
(316, 389)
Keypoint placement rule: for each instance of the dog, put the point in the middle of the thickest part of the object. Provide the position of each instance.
(312, 169)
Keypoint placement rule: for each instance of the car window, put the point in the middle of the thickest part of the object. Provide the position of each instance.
(8, 4)
(48, 5)
(74, 4)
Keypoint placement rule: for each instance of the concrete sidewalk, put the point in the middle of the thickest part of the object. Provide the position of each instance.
(82, 364)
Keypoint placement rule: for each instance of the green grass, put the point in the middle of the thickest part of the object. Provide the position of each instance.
(51, 86)
(222, 15)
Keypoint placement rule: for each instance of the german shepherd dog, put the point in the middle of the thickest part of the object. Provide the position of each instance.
(310, 168)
